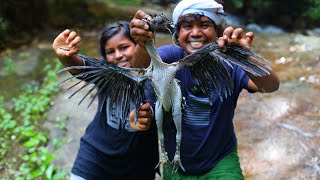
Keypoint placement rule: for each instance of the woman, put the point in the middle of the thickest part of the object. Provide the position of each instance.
(110, 148)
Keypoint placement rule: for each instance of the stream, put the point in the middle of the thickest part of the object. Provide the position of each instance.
(278, 133)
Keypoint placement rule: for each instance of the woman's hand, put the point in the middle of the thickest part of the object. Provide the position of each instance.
(144, 118)
(66, 44)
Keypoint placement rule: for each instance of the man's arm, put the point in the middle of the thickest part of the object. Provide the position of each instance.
(140, 32)
(140, 58)
(264, 84)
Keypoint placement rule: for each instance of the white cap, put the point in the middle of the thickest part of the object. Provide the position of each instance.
(209, 8)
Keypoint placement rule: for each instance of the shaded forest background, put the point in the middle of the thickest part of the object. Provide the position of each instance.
(20, 20)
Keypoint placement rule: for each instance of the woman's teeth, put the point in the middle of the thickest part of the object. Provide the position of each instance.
(122, 63)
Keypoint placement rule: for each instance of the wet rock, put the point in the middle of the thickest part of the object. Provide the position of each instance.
(314, 32)
(267, 148)
(232, 20)
(76, 119)
(269, 29)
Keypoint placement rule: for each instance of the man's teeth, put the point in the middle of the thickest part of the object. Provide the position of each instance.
(196, 43)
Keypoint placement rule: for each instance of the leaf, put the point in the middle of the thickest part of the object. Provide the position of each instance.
(31, 143)
(49, 172)
(36, 173)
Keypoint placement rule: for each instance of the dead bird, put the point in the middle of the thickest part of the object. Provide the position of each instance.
(121, 86)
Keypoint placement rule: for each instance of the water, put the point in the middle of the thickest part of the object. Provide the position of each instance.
(278, 133)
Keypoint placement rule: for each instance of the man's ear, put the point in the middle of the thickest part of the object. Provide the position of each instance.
(175, 39)
(221, 27)
(219, 1)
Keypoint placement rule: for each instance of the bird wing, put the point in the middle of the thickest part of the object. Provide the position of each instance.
(245, 58)
(207, 67)
(118, 85)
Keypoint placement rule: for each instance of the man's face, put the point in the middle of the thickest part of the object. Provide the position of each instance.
(196, 33)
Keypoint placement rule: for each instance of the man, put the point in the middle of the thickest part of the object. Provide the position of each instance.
(209, 144)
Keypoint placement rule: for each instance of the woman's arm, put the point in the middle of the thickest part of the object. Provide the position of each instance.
(66, 48)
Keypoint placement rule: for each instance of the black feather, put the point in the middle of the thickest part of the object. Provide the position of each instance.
(119, 86)
(208, 70)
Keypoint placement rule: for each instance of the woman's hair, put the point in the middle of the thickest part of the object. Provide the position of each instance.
(111, 30)
(218, 28)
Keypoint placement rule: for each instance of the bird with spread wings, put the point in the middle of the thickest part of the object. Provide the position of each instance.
(123, 86)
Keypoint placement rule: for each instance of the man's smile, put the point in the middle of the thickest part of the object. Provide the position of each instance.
(196, 44)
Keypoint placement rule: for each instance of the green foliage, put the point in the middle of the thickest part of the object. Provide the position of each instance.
(3, 24)
(303, 14)
(31, 158)
(124, 2)
(314, 11)
(238, 4)
(261, 3)
(7, 124)
(9, 66)
(60, 122)
(24, 55)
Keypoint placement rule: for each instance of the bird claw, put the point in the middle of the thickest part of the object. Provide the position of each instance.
(163, 160)
(176, 163)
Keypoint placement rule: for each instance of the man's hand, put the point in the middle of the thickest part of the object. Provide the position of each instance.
(65, 44)
(144, 118)
(235, 36)
(269, 83)
(140, 32)
(139, 28)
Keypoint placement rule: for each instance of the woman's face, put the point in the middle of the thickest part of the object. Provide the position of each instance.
(119, 50)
